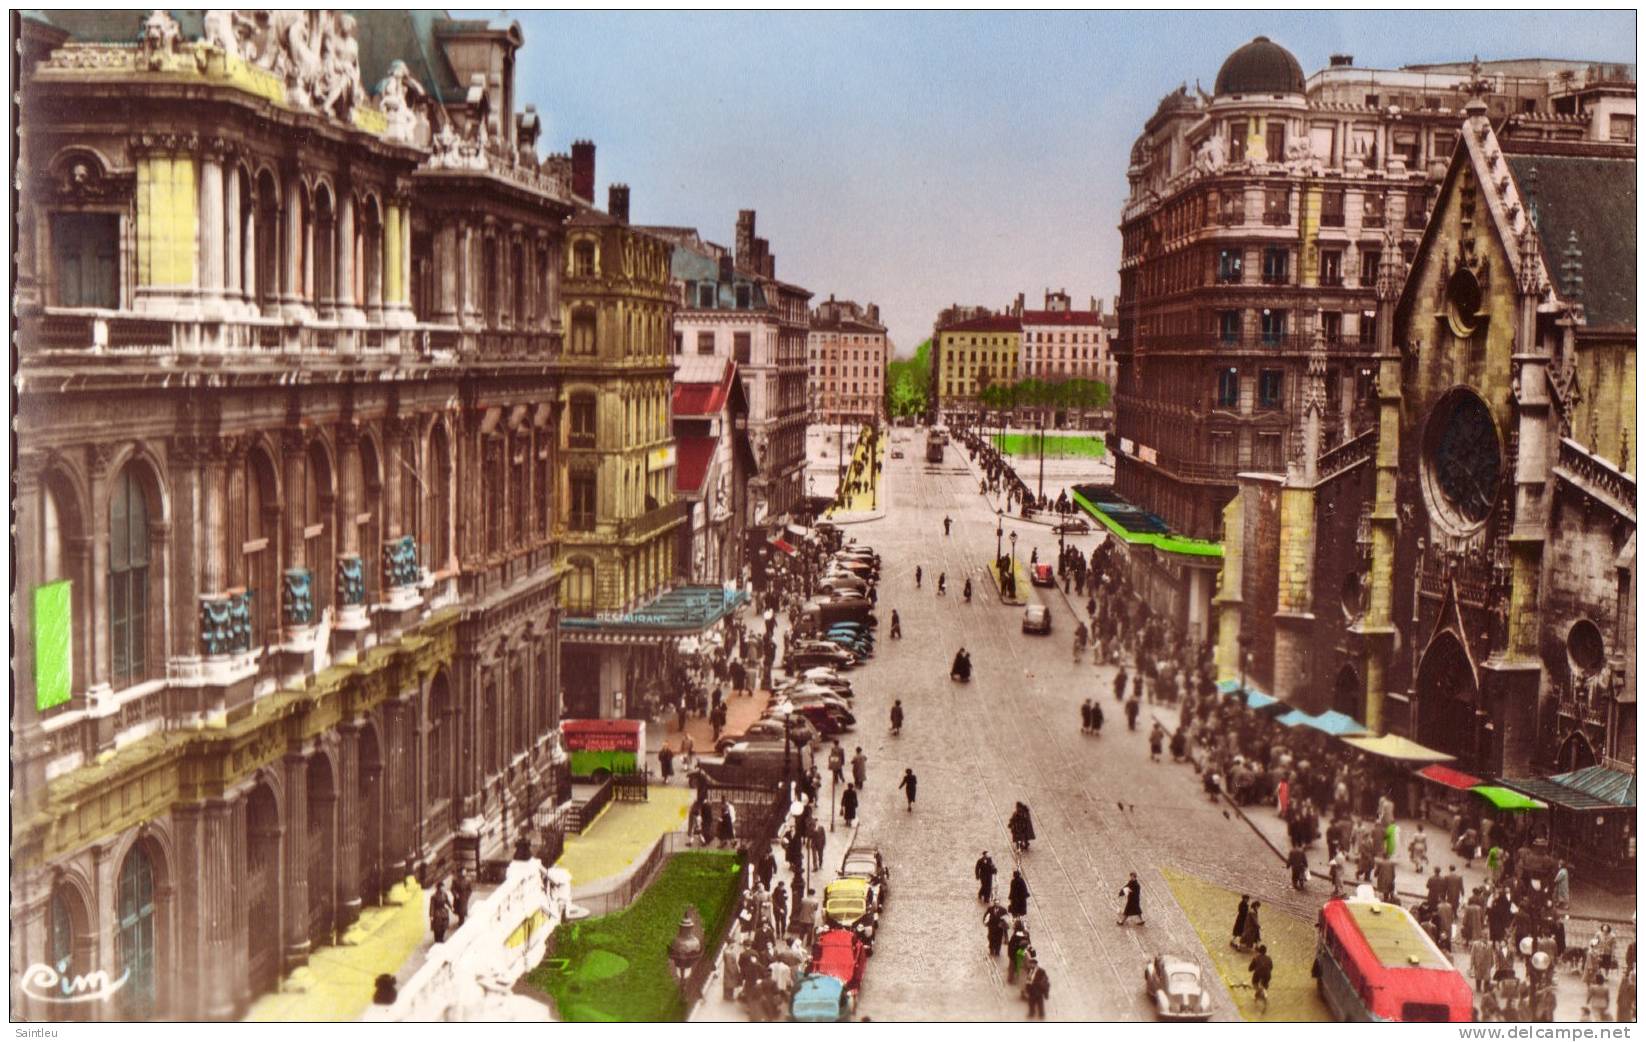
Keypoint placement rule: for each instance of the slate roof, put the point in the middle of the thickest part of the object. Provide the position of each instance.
(1062, 318)
(112, 26)
(1595, 197)
(986, 324)
(408, 36)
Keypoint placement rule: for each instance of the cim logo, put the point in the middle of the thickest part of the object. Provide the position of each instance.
(46, 984)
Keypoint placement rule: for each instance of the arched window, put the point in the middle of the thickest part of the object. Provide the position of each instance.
(128, 579)
(578, 591)
(266, 240)
(324, 239)
(439, 506)
(135, 933)
(583, 259)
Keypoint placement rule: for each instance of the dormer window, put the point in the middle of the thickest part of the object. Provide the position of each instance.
(583, 259)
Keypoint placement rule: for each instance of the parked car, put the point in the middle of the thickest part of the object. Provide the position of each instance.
(806, 654)
(1037, 618)
(1041, 575)
(863, 861)
(827, 720)
(753, 763)
(1073, 526)
(897, 454)
(821, 999)
(770, 729)
(1174, 984)
(849, 902)
(837, 581)
(841, 954)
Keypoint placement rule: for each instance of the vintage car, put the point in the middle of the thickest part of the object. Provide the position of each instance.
(1041, 575)
(1173, 983)
(1037, 618)
(864, 862)
(1073, 526)
(821, 999)
(841, 954)
(849, 904)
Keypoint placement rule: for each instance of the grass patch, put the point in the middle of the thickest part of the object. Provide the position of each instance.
(616, 968)
(1058, 446)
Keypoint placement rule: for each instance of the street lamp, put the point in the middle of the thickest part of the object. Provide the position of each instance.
(1014, 556)
(687, 946)
(999, 530)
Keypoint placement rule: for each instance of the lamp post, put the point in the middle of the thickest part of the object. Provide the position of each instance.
(1014, 556)
(687, 946)
(999, 530)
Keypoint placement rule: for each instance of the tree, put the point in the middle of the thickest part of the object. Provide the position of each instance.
(908, 383)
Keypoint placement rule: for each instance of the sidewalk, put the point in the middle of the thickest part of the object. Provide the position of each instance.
(741, 711)
(868, 503)
(1022, 583)
(714, 1007)
(1587, 901)
(622, 835)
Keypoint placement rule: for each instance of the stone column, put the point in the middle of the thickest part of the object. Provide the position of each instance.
(217, 898)
(348, 826)
(214, 542)
(348, 311)
(295, 929)
(374, 275)
(405, 258)
(248, 258)
(307, 291)
(447, 271)
(211, 227)
(291, 261)
(232, 255)
(392, 282)
(394, 465)
(294, 461)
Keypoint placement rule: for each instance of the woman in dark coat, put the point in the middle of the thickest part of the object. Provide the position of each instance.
(1240, 919)
(1018, 896)
(848, 804)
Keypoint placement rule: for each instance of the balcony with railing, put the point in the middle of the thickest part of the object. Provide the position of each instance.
(1277, 218)
(1371, 220)
(100, 334)
(1223, 343)
(654, 520)
(1331, 218)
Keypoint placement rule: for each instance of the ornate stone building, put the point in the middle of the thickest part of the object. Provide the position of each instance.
(1462, 572)
(618, 548)
(287, 436)
(1257, 219)
(846, 353)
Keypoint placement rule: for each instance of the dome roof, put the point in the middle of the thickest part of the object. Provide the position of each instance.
(1260, 67)
(1178, 100)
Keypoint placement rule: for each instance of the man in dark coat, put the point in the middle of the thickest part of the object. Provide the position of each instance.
(985, 872)
(1133, 893)
(767, 868)
(897, 717)
(908, 784)
(440, 908)
(995, 920)
(780, 909)
(1120, 686)
(1086, 716)
(1240, 918)
(1017, 898)
(848, 805)
(462, 890)
(1036, 991)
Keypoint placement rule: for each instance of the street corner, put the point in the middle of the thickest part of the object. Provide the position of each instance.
(1210, 909)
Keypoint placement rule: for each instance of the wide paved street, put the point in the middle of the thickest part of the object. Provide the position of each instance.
(1014, 734)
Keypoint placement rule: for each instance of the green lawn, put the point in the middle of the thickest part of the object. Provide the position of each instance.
(616, 968)
(1085, 446)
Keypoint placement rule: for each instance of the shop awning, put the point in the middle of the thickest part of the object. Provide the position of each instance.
(1330, 722)
(1394, 747)
(1294, 718)
(784, 546)
(1615, 792)
(1228, 687)
(680, 612)
(1450, 778)
(1614, 788)
(800, 531)
(1507, 799)
(1258, 700)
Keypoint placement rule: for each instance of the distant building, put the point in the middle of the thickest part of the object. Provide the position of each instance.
(1257, 221)
(1462, 572)
(969, 356)
(733, 306)
(714, 465)
(846, 356)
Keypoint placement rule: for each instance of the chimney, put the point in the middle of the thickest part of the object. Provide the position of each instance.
(874, 313)
(617, 202)
(763, 257)
(583, 170)
(745, 240)
(726, 267)
(1017, 306)
(1342, 61)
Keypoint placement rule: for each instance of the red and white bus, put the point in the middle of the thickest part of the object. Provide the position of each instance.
(1374, 962)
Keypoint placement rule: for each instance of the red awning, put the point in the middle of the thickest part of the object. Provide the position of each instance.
(785, 547)
(1450, 778)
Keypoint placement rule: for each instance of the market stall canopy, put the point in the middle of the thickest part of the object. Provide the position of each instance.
(800, 531)
(1394, 747)
(1331, 722)
(1258, 700)
(784, 546)
(1596, 789)
(1450, 778)
(1507, 799)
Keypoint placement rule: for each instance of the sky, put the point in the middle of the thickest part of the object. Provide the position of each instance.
(919, 159)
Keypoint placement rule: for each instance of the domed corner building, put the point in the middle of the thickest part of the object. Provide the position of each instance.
(1249, 378)
(1260, 67)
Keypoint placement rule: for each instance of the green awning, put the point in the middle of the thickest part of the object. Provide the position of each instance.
(1507, 799)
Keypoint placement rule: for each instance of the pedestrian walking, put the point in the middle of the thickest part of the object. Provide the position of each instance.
(897, 717)
(1097, 717)
(819, 840)
(1419, 850)
(897, 626)
(917, 577)
(1262, 968)
(1120, 685)
(1037, 990)
(1240, 919)
(947, 521)
(1157, 739)
(1017, 896)
(1086, 717)
(780, 909)
(462, 890)
(837, 763)
(908, 784)
(860, 768)
(848, 805)
(728, 822)
(995, 921)
(440, 910)
(985, 871)
(1298, 862)
(1133, 707)
(1251, 935)
(1133, 893)
(1017, 949)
